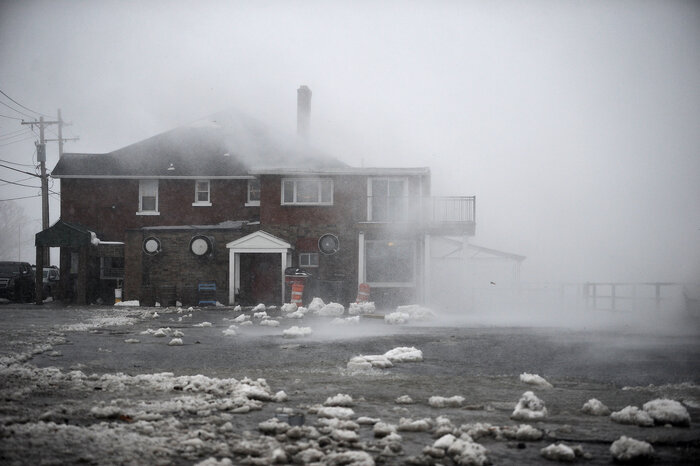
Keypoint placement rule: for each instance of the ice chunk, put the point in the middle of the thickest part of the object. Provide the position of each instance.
(335, 411)
(524, 432)
(288, 308)
(241, 318)
(270, 323)
(396, 318)
(230, 331)
(627, 449)
(259, 308)
(349, 458)
(132, 340)
(260, 315)
(595, 407)
(419, 425)
(316, 305)
(558, 452)
(632, 415)
(132, 303)
(340, 399)
(369, 361)
(529, 407)
(175, 342)
(468, 452)
(404, 400)
(295, 332)
(404, 354)
(361, 308)
(211, 461)
(331, 310)
(346, 321)
(534, 379)
(442, 402)
(665, 411)
(178, 334)
(203, 324)
(344, 435)
(382, 429)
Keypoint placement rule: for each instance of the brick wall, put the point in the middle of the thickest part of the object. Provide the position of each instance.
(109, 207)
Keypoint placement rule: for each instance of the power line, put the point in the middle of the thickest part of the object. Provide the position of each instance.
(15, 110)
(19, 140)
(22, 179)
(20, 184)
(18, 198)
(18, 164)
(13, 100)
(7, 137)
(11, 118)
(21, 171)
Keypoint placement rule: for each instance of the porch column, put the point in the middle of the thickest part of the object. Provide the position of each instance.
(82, 276)
(231, 276)
(361, 258)
(427, 280)
(283, 255)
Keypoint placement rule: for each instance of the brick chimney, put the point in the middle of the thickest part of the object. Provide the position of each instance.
(303, 111)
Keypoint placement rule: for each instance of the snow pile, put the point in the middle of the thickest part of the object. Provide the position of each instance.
(442, 402)
(346, 321)
(316, 305)
(288, 308)
(632, 415)
(558, 452)
(211, 461)
(396, 318)
(369, 362)
(331, 310)
(361, 308)
(350, 458)
(529, 407)
(404, 400)
(416, 312)
(132, 303)
(627, 449)
(339, 400)
(465, 451)
(335, 412)
(270, 323)
(345, 435)
(534, 379)
(523, 432)
(230, 331)
(241, 318)
(595, 407)
(419, 425)
(175, 342)
(295, 332)
(259, 308)
(382, 429)
(665, 411)
(260, 315)
(203, 324)
(404, 354)
(298, 314)
(132, 340)
(100, 322)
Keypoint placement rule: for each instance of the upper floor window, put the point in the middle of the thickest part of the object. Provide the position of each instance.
(148, 197)
(307, 191)
(202, 193)
(253, 198)
(387, 199)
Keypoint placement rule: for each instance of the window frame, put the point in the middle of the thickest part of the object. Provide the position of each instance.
(197, 202)
(414, 271)
(252, 202)
(142, 191)
(309, 255)
(371, 196)
(297, 181)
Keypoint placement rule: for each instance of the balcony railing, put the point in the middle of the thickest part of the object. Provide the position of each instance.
(433, 212)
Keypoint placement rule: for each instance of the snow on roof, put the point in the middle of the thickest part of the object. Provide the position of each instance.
(226, 225)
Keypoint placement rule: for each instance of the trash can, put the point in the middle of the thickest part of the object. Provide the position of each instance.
(296, 280)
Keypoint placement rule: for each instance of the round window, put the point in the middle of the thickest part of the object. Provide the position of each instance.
(200, 245)
(151, 245)
(328, 244)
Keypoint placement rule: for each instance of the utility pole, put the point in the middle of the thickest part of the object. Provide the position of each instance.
(41, 158)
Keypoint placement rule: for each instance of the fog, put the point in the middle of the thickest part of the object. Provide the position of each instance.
(573, 123)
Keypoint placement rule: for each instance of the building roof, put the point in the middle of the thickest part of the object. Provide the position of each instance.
(226, 145)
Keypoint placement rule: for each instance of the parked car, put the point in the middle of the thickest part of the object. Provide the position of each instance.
(50, 280)
(16, 281)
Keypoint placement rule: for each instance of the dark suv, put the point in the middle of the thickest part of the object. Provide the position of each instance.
(16, 281)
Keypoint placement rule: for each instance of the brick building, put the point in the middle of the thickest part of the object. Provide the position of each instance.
(229, 201)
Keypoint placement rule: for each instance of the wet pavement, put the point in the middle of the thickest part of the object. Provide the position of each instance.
(482, 364)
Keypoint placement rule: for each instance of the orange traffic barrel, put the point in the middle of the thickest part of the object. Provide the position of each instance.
(363, 293)
(297, 293)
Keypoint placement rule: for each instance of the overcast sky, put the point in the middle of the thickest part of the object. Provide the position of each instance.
(576, 124)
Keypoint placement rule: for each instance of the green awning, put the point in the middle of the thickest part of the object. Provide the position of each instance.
(63, 234)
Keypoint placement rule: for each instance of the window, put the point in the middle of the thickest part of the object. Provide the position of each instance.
(111, 268)
(390, 263)
(387, 199)
(253, 193)
(308, 259)
(148, 197)
(201, 193)
(307, 191)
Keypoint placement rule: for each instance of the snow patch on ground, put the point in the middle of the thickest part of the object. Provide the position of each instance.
(595, 407)
(534, 379)
(340, 399)
(230, 331)
(404, 354)
(133, 303)
(627, 449)
(442, 402)
(335, 412)
(296, 332)
(665, 411)
(270, 323)
(331, 310)
(632, 415)
(203, 324)
(529, 407)
(175, 342)
(404, 400)
(558, 452)
(416, 312)
(361, 308)
(316, 305)
(396, 318)
(346, 321)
